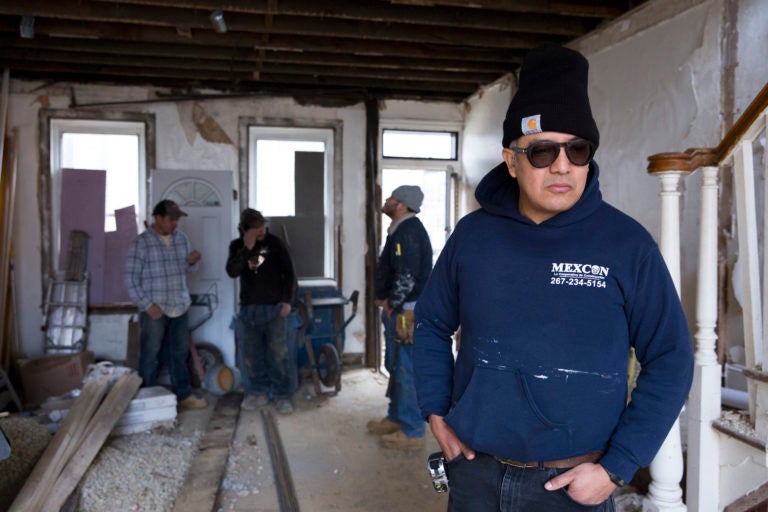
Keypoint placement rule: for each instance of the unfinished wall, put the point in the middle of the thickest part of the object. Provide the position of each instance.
(192, 135)
(655, 78)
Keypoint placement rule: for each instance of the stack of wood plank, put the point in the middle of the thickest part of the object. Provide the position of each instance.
(151, 408)
(77, 442)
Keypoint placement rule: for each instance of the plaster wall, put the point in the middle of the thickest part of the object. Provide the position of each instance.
(190, 135)
(655, 86)
(180, 145)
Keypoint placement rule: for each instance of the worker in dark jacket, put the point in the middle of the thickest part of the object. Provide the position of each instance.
(552, 288)
(265, 269)
(401, 273)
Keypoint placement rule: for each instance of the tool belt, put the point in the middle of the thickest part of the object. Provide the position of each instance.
(405, 322)
(554, 464)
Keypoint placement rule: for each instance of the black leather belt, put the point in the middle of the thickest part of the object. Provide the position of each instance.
(554, 464)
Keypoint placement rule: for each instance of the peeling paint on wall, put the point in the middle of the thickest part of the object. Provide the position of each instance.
(195, 120)
(43, 100)
(207, 126)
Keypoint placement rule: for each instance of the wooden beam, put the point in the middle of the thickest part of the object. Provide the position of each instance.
(96, 12)
(63, 30)
(574, 8)
(238, 70)
(433, 16)
(246, 55)
(201, 485)
(54, 68)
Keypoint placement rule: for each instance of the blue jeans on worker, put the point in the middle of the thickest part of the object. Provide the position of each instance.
(403, 404)
(485, 484)
(165, 341)
(262, 349)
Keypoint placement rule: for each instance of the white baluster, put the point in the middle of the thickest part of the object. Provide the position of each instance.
(664, 492)
(749, 260)
(702, 482)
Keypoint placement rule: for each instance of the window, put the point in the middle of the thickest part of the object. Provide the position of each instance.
(290, 180)
(92, 140)
(425, 157)
(275, 184)
(111, 146)
(421, 144)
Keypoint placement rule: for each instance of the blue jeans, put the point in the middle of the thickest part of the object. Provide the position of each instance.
(403, 404)
(263, 355)
(165, 341)
(485, 484)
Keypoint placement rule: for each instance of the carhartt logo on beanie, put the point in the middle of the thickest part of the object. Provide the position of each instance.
(552, 96)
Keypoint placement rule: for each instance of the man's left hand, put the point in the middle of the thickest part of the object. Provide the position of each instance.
(388, 310)
(194, 257)
(285, 309)
(587, 483)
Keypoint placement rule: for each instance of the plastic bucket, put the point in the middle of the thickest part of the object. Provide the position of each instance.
(221, 379)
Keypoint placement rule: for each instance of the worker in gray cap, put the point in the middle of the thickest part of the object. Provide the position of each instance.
(401, 273)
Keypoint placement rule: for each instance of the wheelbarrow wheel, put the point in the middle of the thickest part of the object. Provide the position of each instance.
(210, 355)
(328, 364)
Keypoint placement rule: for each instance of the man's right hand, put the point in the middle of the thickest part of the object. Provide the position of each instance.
(448, 440)
(249, 237)
(154, 312)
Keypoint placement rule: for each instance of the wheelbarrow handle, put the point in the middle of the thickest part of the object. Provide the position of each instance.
(353, 300)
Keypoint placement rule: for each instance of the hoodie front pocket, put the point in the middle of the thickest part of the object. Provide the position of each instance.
(498, 414)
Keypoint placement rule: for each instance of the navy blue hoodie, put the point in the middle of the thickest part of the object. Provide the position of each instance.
(548, 314)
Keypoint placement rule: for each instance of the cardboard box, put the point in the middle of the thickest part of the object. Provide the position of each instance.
(52, 375)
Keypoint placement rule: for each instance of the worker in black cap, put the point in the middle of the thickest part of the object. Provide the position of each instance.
(261, 262)
(155, 277)
(552, 288)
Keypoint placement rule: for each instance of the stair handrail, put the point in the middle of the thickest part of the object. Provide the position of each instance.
(691, 159)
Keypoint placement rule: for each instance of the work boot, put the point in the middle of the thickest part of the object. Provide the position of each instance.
(399, 441)
(284, 406)
(382, 426)
(192, 402)
(253, 402)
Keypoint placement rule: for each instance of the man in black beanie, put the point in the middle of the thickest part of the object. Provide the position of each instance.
(552, 288)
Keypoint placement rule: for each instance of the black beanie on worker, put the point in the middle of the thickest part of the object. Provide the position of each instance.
(551, 96)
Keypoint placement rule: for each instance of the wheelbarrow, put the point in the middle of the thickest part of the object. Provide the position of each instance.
(322, 329)
(203, 355)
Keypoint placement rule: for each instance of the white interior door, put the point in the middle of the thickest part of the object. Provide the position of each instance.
(206, 196)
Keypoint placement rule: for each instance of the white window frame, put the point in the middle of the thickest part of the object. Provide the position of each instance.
(60, 126)
(450, 166)
(301, 133)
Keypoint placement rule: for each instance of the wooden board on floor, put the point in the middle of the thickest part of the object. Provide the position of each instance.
(201, 486)
(58, 452)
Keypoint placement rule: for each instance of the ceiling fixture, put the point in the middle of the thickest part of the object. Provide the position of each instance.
(27, 27)
(217, 20)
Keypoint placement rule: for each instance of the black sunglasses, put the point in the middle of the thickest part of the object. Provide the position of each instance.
(543, 153)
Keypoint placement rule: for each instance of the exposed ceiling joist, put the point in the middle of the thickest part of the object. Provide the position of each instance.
(441, 50)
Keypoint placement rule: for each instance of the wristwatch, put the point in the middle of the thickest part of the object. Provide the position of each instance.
(616, 479)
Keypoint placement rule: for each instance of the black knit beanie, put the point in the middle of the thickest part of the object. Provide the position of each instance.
(552, 96)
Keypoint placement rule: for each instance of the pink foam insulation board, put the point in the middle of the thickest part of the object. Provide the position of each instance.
(116, 247)
(83, 199)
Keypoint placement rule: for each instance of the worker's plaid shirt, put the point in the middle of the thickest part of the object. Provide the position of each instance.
(157, 273)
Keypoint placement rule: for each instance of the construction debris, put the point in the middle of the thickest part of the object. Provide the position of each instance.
(76, 443)
(28, 439)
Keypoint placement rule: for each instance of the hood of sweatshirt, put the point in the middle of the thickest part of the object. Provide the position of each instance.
(498, 194)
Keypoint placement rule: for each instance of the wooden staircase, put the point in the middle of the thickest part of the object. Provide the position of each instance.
(727, 463)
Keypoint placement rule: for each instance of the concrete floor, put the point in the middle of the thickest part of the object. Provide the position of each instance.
(335, 464)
